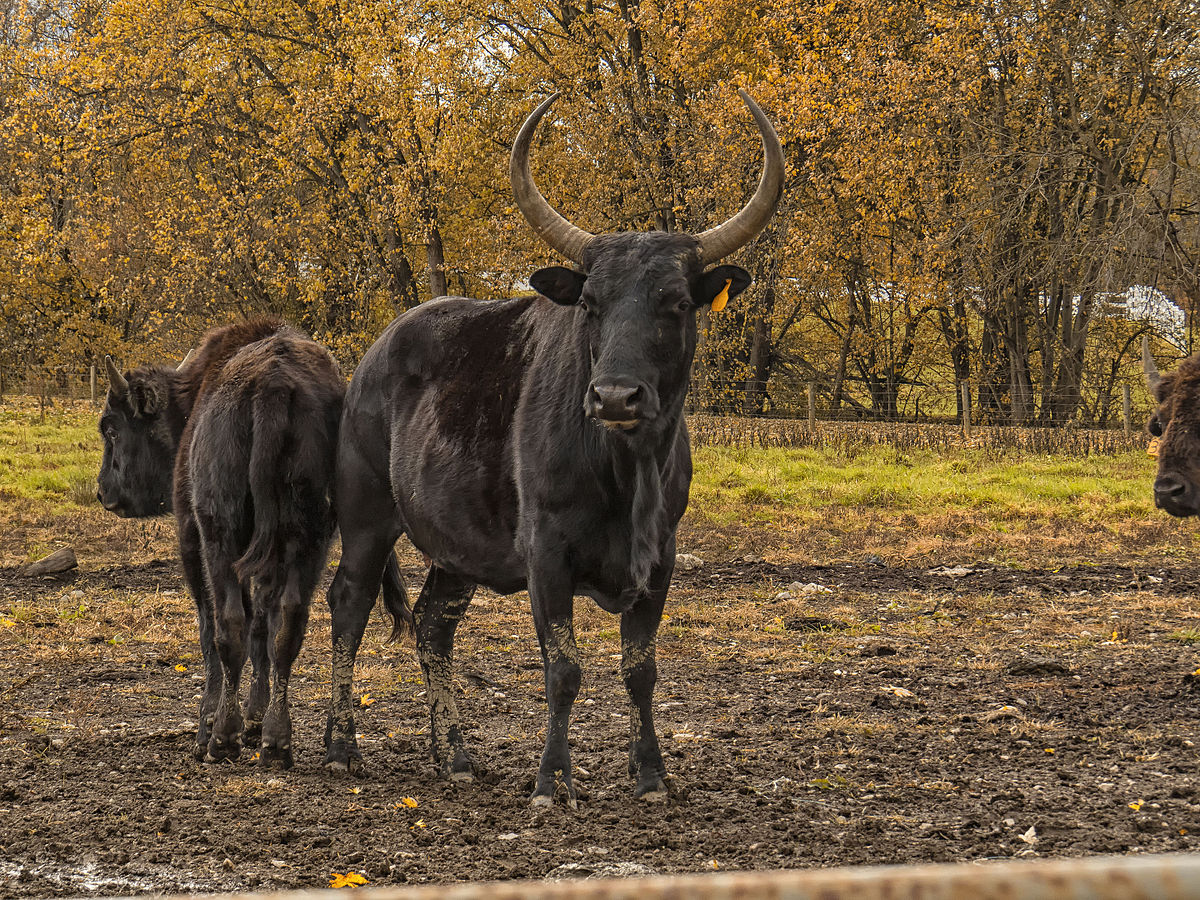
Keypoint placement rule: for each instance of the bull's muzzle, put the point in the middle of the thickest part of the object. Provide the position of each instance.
(617, 403)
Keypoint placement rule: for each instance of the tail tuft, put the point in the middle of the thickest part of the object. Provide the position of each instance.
(395, 600)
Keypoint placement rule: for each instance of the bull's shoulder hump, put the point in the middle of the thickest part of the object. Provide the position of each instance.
(456, 328)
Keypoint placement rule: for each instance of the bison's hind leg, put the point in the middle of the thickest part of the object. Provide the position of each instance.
(260, 686)
(286, 607)
(231, 603)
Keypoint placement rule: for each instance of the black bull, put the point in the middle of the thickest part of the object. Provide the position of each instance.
(239, 442)
(535, 443)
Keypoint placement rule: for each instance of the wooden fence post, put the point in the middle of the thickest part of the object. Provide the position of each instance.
(1126, 410)
(966, 410)
(812, 407)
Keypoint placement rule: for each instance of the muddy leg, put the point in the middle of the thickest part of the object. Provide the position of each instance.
(260, 686)
(553, 608)
(193, 573)
(231, 618)
(443, 601)
(289, 618)
(639, 626)
(351, 596)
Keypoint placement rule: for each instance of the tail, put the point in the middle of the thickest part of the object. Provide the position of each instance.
(270, 424)
(395, 600)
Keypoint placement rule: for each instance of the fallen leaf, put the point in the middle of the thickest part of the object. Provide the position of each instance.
(356, 790)
(1030, 837)
(350, 879)
(366, 700)
(181, 668)
(1136, 804)
(410, 802)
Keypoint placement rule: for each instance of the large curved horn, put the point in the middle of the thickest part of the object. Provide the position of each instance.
(116, 380)
(1153, 377)
(187, 358)
(551, 227)
(727, 237)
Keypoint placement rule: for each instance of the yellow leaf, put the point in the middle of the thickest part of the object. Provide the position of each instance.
(181, 668)
(410, 802)
(1136, 805)
(420, 823)
(356, 790)
(350, 879)
(366, 700)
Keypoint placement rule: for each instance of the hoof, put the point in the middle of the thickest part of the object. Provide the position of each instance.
(652, 790)
(252, 734)
(463, 777)
(276, 757)
(342, 758)
(220, 751)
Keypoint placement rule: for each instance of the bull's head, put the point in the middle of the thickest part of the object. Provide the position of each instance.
(1176, 424)
(637, 294)
(139, 443)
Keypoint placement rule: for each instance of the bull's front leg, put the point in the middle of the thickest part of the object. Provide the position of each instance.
(553, 611)
(639, 671)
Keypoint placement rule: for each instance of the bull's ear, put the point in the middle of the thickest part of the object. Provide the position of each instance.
(560, 284)
(721, 283)
(1154, 426)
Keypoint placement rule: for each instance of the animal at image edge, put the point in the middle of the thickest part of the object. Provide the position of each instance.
(1175, 428)
(535, 443)
(239, 442)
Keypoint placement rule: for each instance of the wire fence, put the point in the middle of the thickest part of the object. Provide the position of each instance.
(810, 423)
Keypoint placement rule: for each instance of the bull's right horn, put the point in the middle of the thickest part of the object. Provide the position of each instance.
(722, 240)
(119, 385)
(186, 359)
(551, 227)
(1153, 376)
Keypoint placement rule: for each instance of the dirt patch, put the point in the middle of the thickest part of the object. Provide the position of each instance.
(933, 713)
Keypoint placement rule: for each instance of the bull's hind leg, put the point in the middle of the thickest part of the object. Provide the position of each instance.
(231, 610)
(193, 573)
(260, 687)
(443, 601)
(288, 616)
(351, 596)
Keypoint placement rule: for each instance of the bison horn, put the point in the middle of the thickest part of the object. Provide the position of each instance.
(724, 239)
(1153, 377)
(186, 359)
(551, 227)
(117, 381)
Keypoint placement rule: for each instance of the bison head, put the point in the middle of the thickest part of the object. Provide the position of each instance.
(139, 443)
(1176, 424)
(637, 294)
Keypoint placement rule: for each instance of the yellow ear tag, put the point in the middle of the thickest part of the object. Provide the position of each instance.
(722, 298)
(1152, 448)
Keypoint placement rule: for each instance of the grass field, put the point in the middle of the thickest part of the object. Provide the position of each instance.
(841, 501)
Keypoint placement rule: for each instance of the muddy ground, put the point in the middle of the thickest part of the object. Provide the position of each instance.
(870, 714)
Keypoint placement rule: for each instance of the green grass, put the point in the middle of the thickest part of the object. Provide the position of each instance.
(731, 482)
(55, 460)
(874, 498)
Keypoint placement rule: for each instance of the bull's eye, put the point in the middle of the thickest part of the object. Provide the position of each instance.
(684, 306)
(584, 306)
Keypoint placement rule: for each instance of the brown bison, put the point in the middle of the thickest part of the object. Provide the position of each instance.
(1175, 425)
(536, 443)
(239, 441)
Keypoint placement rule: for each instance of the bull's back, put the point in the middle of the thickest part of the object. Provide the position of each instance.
(432, 405)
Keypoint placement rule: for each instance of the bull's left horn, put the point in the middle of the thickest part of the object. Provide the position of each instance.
(719, 242)
(119, 385)
(186, 359)
(1153, 377)
(557, 232)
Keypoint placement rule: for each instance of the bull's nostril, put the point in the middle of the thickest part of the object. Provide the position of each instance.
(1169, 487)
